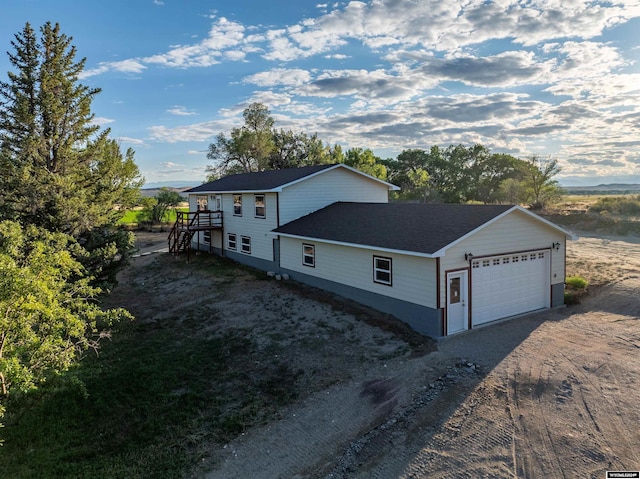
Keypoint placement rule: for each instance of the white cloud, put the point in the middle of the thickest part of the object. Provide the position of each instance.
(279, 76)
(337, 56)
(102, 121)
(180, 111)
(224, 34)
(170, 164)
(124, 66)
(132, 141)
(204, 131)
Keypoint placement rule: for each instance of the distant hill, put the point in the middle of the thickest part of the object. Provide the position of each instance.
(171, 184)
(150, 192)
(610, 189)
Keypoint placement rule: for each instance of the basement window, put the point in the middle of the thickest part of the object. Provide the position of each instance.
(245, 244)
(232, 241)
(382, 270)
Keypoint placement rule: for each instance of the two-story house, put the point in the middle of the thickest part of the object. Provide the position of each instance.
(441, 268)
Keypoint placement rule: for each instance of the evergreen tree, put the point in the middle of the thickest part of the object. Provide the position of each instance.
(58, 171)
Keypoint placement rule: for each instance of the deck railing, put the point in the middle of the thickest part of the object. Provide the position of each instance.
(202, 219)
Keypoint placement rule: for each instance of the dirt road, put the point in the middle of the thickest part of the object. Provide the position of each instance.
(555, 394)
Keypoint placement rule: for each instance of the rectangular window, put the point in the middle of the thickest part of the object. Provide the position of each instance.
(261, 209)
(232, 242)
(382, 270)
(308, 255)
(201, 201)
(237, 205)
(245, 244)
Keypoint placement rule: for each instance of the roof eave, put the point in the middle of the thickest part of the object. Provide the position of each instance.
(360, 246)
(390, 186)
(219, 192)
(567, 234)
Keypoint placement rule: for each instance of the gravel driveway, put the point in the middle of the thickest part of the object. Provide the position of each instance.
(553, 394)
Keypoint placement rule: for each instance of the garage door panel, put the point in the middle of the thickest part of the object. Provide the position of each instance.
(508, 285)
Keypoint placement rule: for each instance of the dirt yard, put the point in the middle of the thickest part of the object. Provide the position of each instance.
(554, 394)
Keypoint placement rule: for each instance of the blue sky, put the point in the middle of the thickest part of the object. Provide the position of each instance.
(556, 78)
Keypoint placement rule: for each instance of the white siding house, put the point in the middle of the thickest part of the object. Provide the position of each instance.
(284, 195)
(442, 269)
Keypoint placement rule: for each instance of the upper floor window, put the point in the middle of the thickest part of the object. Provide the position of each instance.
(237, 205)
(260, 206)
(201, 201)
(382, 270)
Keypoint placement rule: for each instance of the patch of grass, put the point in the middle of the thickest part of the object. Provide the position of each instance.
(143, 407)
(617, 205)
(133, 217)
(576, 282)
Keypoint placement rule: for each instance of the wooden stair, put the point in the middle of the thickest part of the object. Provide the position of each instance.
(187, 224)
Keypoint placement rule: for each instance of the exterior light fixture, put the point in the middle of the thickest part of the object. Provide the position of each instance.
(468, 256)
(556, 246)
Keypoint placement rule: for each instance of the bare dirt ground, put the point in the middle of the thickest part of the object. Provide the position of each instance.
(553, 394)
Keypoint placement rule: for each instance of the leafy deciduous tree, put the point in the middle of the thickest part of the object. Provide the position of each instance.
(48, 316)
(365, 161)
(538, 179)
(156, 208)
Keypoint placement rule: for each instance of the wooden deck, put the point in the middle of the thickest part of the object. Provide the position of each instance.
(188, 224)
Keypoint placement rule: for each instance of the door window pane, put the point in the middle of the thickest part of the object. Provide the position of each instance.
(454, 290)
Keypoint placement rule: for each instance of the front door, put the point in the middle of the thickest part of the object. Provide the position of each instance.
(457, 303)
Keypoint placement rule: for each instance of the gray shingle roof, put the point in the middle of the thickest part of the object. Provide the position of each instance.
(420, 228)
(260, 181)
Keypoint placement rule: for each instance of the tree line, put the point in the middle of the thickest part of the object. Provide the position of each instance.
(60, 178)
(456, 174)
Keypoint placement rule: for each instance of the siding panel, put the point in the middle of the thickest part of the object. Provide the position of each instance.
(319, 191)
(414, 279)
(514, 232)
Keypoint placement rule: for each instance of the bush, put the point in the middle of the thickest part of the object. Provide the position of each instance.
(617, 205)
(576, 289)
(577, 282)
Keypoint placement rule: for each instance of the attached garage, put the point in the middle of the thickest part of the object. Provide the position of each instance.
(447, 268)
(509, 285)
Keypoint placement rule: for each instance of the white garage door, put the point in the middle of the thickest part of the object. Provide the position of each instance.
(507, 285)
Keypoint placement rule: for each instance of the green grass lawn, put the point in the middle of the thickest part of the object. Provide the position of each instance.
(149, 404)
(137, 216)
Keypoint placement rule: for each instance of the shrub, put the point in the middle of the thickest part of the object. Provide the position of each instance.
(617, 205)
(576, 282)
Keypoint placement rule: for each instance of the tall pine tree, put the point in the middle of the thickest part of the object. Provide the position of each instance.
(58, 170)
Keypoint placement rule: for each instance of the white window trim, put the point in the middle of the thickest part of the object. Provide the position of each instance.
(244, 243)
(312, 255)
(234, 241)
(264, 206)
(233, 198)
(377, 270)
